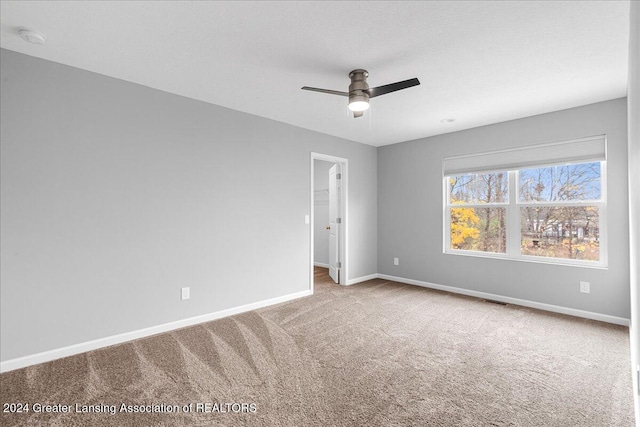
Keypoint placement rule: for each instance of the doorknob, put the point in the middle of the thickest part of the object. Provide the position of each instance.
(328, 227)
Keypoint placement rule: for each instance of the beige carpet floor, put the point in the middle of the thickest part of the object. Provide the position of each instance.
(374, 354)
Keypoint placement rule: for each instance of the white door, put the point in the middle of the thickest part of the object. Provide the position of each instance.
(334, 223)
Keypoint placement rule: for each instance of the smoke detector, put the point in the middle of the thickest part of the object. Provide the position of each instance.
(32, 37)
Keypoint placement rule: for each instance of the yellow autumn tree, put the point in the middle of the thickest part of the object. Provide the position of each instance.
(463, 222)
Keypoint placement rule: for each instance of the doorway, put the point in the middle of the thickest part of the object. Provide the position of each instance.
(329, 225)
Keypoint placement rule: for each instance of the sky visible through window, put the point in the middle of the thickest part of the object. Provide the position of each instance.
(560, 183)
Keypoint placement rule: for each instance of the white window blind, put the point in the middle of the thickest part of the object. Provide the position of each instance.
(590, 149)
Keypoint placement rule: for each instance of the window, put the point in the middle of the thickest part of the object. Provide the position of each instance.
(552, 211)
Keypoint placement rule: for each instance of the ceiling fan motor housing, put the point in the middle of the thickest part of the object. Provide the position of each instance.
(358, 87)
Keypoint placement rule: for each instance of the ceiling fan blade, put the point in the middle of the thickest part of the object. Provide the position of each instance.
(329, 91)
(381, 90)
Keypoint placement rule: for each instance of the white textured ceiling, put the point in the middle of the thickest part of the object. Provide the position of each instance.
(479, 62)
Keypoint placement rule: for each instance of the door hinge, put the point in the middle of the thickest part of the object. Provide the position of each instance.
(338, 220)
(338, 176)
(339, 265)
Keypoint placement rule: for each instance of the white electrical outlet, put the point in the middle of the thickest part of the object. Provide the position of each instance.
(585, 287)
(186, 293)
(396, 261)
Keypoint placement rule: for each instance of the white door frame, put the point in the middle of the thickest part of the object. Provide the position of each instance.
(344, 235)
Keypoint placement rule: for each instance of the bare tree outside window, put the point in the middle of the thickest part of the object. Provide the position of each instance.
(556, 218)
(480, 225)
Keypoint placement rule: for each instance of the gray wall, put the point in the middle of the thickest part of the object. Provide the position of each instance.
(410, 226)
(321, 211)
(633, 102)
(114, 196)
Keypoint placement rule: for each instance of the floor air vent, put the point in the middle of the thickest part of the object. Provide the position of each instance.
(495, 302)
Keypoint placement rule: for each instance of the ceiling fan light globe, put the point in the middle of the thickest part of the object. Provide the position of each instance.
(358, 106)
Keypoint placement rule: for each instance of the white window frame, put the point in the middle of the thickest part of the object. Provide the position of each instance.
(512, 220)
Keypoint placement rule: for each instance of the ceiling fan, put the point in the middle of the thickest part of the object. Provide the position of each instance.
(360, 92)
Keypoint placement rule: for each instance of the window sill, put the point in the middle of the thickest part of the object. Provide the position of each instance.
(529, 259)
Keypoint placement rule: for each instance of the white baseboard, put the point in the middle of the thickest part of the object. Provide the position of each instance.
(362, 279)
(516, 301)
(22, 362)
(319, 264)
